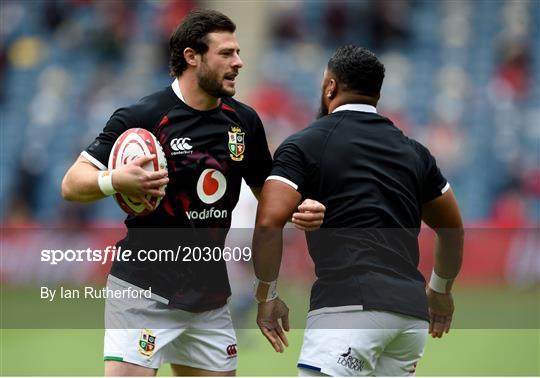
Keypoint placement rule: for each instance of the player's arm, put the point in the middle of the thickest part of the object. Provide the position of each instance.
(82, 181)
(310, 213)
(256, 190)
(308, 216)
(277, 203)
(443, 216)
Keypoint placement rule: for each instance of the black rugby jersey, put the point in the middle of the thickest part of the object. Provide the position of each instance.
(373, 181)
(208, 153)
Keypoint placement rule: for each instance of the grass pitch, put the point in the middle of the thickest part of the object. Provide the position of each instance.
(496, 334)
(462, 352)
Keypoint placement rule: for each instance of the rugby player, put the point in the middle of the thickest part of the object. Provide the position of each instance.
(369, 313)
(208, 138)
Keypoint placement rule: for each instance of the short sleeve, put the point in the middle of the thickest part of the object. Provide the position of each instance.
(434, 184)
(259, 159)
(290, 166)
(99, 150)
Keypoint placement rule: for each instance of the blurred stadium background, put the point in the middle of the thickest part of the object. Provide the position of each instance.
(463, 77)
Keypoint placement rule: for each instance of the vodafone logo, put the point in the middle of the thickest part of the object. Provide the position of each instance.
(211, 186)
(181, 146)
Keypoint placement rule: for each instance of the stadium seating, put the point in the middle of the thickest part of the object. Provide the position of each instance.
(63, 79)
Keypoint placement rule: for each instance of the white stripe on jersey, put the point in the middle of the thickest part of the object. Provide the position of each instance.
(283, 179)
(94, 161)
(446, 187)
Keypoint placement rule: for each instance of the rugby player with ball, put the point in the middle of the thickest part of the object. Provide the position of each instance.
(210, 142)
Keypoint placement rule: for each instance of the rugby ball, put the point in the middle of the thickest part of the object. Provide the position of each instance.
(134, 143)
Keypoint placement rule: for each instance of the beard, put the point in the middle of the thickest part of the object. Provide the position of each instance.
(211, 83)
(323, 109)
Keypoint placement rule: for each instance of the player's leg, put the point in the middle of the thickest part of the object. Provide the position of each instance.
(133, 352)
(126, 369)
(207, 347)
(402, 354)
(310, 373)
(188, 371)
(349, 351)
(130, 349)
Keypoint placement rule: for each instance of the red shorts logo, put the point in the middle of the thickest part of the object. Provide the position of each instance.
(231, 351)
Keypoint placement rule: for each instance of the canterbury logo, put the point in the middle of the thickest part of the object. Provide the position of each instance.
(231, 351)
(181, 144)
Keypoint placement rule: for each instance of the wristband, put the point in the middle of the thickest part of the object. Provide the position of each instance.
(265, 291)
(105, 182)
(439, 284)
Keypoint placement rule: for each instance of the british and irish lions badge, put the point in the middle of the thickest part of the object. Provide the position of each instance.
(237, 144)
(147, 343)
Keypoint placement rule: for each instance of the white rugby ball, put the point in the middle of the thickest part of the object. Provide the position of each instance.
(134, 143)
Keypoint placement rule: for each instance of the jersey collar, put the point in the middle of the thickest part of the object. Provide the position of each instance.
(176, 88)
(356, 107)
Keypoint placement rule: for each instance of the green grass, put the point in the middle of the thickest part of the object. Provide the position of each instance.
(476, 308)
(462, 352)
(509, 348)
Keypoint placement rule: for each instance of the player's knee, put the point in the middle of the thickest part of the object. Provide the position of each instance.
(310, 373)
(124, 369)
(183, 370)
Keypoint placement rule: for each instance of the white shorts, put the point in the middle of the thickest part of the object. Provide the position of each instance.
(159, 334)
(375, 343)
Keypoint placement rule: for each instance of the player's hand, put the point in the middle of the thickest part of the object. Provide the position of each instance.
(134, 181)
(441, 309)
(310, 215)
(268, 316)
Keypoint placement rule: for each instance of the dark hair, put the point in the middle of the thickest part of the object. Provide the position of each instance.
(358, 69)
(193, 32)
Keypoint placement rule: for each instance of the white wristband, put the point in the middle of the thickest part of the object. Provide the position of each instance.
(265, 291)
(439, 284)
(105, 182)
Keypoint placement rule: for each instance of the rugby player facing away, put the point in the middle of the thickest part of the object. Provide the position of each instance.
(207, 136)
(369, 312)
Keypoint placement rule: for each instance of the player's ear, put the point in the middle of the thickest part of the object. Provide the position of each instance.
(190, 56)
(331, 90)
